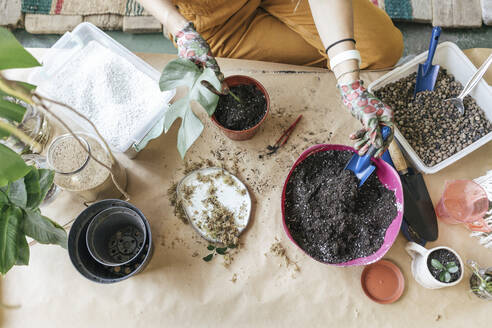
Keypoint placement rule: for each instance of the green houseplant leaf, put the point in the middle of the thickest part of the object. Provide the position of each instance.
(436, 264)
(9, 236)
(33, 189)
(182, 72)
(17, 193)
(43, 229)
(191, 126)
(12, 53)
(22, 250)
(179, 72)
(46, 178)
(202, 95)
(11, 111)
(12, 167)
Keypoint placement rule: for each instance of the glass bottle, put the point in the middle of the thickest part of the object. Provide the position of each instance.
(77, 172)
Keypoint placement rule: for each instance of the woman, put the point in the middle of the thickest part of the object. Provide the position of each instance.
(344, 35)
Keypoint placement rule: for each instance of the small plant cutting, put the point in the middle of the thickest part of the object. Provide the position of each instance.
(480, 281)
(445, 269)
(217, 250)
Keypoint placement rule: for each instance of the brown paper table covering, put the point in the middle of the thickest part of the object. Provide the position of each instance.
(179, 290)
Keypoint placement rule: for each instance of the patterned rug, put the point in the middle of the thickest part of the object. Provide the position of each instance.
(83, 7)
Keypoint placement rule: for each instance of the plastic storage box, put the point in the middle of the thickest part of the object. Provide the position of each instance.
(450, 57)
(67, 47)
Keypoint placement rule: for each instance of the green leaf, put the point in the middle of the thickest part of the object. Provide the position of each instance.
(3, 198)
(17, 194)
(12, 166)
(179, 72)
(210, 247)
(46, 178)
(191, 126)
(33, 189)
(221, 251)
(450, 264)
(4, 134)
(9, 231)
(447, 276)
(43, 230)
(436, 264)
(208, 258)
(22, 250)
(441, 276)
(176, 110)
(453, 269)
(12, 53)
(232, 246)
(26, 85)
(202, 95)
(190, 130)
(11, 111)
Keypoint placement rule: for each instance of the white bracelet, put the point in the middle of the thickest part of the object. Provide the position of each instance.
(343, 56)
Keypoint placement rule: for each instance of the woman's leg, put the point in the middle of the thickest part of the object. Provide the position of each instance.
(274, 30)
(378, 40)
(252, 33)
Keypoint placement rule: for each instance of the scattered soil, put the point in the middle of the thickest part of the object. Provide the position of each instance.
(444, 256)
(177, 205)
(278, 249)
(329, 216)
(241, 116)
(432, 126)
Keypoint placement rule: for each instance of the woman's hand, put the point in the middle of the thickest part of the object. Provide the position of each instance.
(372, 113)
(193, 47)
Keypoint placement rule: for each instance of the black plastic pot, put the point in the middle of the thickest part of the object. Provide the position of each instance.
(116, 236)
(86, 264)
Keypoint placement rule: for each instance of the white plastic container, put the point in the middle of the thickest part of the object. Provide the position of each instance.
(450, 57)
(67, 47)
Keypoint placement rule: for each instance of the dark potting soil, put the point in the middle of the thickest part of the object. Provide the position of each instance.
(444, 256)
(432, 126)
(329, 216)
(241, 116)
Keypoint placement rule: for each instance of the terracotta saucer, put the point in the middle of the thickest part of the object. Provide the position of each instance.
(382, 282)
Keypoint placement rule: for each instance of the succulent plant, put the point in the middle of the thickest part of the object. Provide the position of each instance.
(445, 269)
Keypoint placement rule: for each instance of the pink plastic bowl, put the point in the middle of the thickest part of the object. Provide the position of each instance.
(388, 177)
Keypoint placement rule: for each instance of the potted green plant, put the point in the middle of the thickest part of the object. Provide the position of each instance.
(480, 281)
(435, 268)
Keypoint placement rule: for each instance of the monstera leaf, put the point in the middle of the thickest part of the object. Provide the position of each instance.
(182, 72)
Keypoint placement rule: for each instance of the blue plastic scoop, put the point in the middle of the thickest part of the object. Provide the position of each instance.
(427, 73)
(361, 165)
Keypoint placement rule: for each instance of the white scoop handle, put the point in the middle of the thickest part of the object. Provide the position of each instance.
(475, 78)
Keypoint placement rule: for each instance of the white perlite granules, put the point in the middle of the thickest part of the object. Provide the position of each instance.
(118, 98)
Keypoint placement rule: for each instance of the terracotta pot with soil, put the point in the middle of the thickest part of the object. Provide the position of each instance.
(333, 220)
(435, 268)
(241, 120)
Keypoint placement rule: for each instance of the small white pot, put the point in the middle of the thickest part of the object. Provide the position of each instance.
(421, 272)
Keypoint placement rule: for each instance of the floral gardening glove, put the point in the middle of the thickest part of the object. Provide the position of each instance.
(372, 113)
(193, 47)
